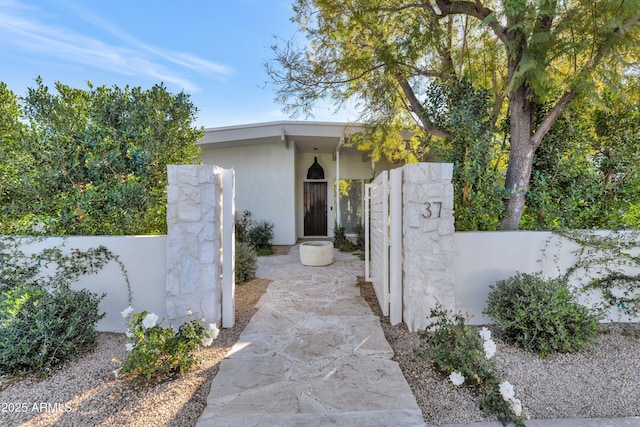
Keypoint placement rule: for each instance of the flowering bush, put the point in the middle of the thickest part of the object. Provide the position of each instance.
(465, 355)
(157, 350)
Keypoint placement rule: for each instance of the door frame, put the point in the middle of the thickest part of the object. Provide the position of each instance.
(326, 207)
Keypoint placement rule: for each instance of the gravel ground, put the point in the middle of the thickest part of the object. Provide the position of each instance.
(600, 381)
(85, 392)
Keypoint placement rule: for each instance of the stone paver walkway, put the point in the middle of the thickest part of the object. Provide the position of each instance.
(314, 354)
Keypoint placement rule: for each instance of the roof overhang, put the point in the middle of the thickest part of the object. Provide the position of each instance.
(308, 137)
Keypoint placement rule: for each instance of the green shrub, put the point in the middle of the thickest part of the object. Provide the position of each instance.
(243, 224)
(246, 262)
(40, 329)
(540, 315)
(157, 350)
(261, 235)
(341, 241)
(460, 352)
(359, 229)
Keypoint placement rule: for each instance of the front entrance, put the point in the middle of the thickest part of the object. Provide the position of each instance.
(315, 208)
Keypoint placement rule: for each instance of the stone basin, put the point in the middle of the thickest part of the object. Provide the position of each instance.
(316, 253)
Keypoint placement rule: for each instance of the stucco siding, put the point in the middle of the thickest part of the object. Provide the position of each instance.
(265, 184)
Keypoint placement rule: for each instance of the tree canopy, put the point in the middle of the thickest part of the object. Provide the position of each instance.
(91, 161)
(534, 57)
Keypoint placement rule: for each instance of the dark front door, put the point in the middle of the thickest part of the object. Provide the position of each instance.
(315, 208)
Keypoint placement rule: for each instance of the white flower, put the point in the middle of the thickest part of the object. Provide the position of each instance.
(213, 330)
(127, 312)
(129, 346)
(128, 334)
(489, 348)
(485, 334)
(456, 378)
(507, 392)
(149, 320)
(516, 406)
(189, 313)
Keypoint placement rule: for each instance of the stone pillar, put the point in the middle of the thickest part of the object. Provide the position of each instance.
(194, 248)
(428, 241)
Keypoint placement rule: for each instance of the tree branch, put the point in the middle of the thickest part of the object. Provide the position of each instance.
(476, 10)
(568, 96)
(418, 109)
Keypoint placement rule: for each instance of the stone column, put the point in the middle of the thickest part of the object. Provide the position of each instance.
(428, 241)
(194, 243)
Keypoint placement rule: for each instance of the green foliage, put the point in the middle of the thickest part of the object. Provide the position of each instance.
(464, 112)
(359, 229)
(158, 350)
(452, 347)
(246, 262)
(611, 265)
(41, 329)
(540, 315)
(243, 224)
(341, 241)
(43, 322)
(264, 252)
(101, 157)
(260, 235)
(585, 173)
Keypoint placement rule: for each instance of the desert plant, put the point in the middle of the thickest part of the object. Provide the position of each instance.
(156, 350)
(246, 263)
(540, 315)
(40, 329)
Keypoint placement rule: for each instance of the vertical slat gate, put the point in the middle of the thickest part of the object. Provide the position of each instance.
(377, 249)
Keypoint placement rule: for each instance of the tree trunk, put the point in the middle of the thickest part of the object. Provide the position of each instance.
(520, 157)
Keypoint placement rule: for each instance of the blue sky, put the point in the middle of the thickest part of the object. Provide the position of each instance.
(214, 50)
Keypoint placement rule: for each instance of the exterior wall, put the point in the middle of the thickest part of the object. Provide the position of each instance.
(483, 258)
(144, 258)
(351, 167)
(265, 184)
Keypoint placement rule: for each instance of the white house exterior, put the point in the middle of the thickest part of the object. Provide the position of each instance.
(271, 162)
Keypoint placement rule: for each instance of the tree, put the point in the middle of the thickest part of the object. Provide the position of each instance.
(531, 54)
(97, 158)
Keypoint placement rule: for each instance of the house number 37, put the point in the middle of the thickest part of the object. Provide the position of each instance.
(432, 209)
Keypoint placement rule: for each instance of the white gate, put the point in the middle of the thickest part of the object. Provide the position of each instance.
(383, 241)
(377, 238)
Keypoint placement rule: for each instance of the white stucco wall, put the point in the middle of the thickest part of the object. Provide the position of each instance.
(144, 258)
(265, 184)
(483, 258)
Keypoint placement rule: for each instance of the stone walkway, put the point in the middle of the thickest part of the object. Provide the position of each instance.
(314, 355)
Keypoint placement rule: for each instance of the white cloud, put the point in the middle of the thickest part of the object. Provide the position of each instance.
(132, 57)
